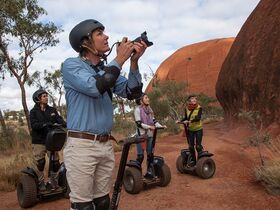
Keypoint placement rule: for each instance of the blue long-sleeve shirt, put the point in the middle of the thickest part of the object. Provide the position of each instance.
(87, 109)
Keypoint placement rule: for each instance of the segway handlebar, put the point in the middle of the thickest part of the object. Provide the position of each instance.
(160, 128)
(183, 123)
(134, 140)
(119, 181)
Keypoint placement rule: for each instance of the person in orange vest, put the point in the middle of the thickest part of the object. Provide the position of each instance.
(192, 117)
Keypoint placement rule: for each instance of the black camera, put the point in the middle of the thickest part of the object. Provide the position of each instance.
(143, 38)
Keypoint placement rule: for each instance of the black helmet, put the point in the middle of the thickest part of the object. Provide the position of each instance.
(37, 94)
(82, 30)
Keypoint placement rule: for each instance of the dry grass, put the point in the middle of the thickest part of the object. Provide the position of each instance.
(211, 120)
(269, 174)
(10, 167)
(15, 155)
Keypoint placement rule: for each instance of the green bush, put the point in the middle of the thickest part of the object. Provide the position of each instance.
(172, 127)
(168, 100)
(124, 127)
(210, 111)
(257, 139)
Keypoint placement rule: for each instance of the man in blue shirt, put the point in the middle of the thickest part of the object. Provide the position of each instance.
(88, 154)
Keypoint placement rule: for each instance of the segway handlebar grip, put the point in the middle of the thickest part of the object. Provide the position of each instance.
(183, 123)
(135, 140)
(160, 128)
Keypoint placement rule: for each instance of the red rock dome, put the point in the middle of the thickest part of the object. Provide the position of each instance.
(199, 64)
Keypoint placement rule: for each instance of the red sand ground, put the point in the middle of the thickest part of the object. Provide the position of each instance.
(232, 187)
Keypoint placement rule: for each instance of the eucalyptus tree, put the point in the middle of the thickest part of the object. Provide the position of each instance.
(20, 26)
(52, 82)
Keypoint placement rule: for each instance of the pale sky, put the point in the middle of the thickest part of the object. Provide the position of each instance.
(170, 25)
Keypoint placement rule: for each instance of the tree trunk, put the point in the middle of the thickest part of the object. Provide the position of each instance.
(24, 105)
(3, 124)
(58, 104)
(122, 109)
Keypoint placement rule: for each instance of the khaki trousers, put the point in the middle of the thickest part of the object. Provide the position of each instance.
(39, 152)
(89, 166)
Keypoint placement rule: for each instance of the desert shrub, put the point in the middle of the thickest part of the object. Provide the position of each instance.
(124, 127)
(269, 171)
(256, 139)
(269, 175)
(259, 137)
(14, 138)
(172, 127)
(168, 100)
(7, 138)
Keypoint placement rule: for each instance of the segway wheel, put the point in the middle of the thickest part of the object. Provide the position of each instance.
(26, 191)
(205, 167)
(66, 194)
(133, 181)
(179, 164)
(164, 175)
(62, 182)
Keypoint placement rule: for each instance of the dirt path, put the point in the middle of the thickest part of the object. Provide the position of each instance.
(232, 187)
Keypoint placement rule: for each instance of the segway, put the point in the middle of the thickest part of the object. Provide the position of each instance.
(119, 181)
(204, 166)
(134, 181)
(28, 192)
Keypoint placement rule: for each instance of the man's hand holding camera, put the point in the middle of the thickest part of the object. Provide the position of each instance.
(124, 51)
(128, 49)
(139, 48)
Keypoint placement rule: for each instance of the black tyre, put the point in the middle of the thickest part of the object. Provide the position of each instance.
(179, 164)
(66, 194)
(164, 175)
(26, 191)
(62, 182)
(205, 167)
(133, 181)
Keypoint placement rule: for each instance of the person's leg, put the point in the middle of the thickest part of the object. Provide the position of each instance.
(103, 176)
(191, 139)
(140, 153)
(53, 173)
(149, 145)
(56, 164)
(81, 157)
(83, 206)
(199, 147)
(102, 203)
(150, 159)
(39, 153)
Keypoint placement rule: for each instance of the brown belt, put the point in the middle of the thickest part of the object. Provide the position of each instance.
(101, 138)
